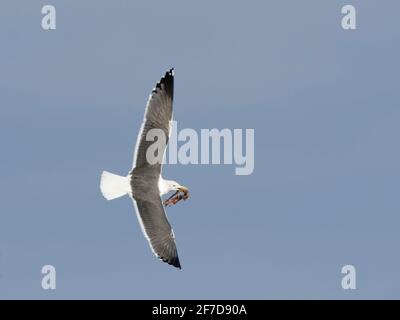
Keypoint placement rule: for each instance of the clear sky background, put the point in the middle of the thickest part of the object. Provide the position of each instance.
(324, 103)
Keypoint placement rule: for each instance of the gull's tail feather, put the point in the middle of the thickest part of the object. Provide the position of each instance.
(113, 186)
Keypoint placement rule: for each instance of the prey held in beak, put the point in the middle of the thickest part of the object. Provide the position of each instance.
(181, 194)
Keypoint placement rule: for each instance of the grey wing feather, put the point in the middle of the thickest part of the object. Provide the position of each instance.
(157, 230)
(158, 115)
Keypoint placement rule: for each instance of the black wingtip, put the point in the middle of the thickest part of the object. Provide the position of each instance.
(168, 81)
(177, 263)
(173, 262)
(169, 76)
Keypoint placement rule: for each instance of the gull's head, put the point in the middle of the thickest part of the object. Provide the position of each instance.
(175, 186)
(166, 186)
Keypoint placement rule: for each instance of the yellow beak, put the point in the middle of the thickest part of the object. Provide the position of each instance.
(183, 189)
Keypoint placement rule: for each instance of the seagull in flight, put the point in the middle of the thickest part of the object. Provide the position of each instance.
(144, 183)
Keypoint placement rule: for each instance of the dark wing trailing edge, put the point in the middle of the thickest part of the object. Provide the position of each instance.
(158, 115)
(157, 230)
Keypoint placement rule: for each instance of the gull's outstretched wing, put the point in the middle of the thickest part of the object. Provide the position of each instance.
(145, 176)
(157, 230)
(158, 115)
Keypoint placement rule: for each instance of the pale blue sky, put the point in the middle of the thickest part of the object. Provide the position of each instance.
(324, 104)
